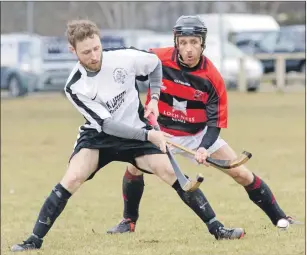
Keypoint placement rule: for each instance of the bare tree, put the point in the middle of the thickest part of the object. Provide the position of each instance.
(274, 7)
(107, 10)
(239, 7)
(50, 17)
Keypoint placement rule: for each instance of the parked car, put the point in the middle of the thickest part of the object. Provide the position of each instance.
(18, 60)
(289, 39)
(42, 63)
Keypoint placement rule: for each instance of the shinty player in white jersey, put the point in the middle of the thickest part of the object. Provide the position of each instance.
(100, 87)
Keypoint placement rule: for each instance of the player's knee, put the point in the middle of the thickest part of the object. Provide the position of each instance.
(133, 170)
(166, 173)
(234, 173)
(73, 182)
(241, 174)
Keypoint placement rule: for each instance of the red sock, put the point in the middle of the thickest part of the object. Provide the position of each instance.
(260, 193)
(133, 187)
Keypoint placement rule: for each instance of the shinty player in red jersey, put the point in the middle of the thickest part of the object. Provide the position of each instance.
(192, 107)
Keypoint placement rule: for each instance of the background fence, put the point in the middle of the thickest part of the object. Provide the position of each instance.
(280, 77)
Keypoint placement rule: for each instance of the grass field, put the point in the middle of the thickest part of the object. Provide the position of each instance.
(38, 134)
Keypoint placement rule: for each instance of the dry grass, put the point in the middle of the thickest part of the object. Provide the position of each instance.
(37, 138)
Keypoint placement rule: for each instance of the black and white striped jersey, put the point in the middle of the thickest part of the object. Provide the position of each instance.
(112, 91)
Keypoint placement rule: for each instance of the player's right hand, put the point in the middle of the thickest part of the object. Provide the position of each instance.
(158, 138)
(201, 156)
(152, 108)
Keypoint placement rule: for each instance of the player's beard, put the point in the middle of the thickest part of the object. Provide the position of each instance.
(92, 67)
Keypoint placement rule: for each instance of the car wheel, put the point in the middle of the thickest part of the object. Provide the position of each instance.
(253, 89)
(15, 87)
(303, 68)
(253, 86)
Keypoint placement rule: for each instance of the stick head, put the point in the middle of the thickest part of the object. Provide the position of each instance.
(245, 156)
(228, 164)
(192, 185)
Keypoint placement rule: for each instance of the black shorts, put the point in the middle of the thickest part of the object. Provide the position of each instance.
(113, 148)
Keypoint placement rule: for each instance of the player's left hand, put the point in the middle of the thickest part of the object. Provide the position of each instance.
(152, 107)
(201, 156)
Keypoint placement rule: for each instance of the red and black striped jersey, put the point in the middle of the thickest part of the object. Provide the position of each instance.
(191, 98)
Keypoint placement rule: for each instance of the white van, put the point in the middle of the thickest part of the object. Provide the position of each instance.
(232, 26)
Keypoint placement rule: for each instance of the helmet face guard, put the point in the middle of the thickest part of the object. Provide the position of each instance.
(189, 31)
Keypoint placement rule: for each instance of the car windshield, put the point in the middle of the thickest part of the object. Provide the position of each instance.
(24, 51)
(249, 36)
(268, 43)
(285, 39)
(28, 50)
(296, 35)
